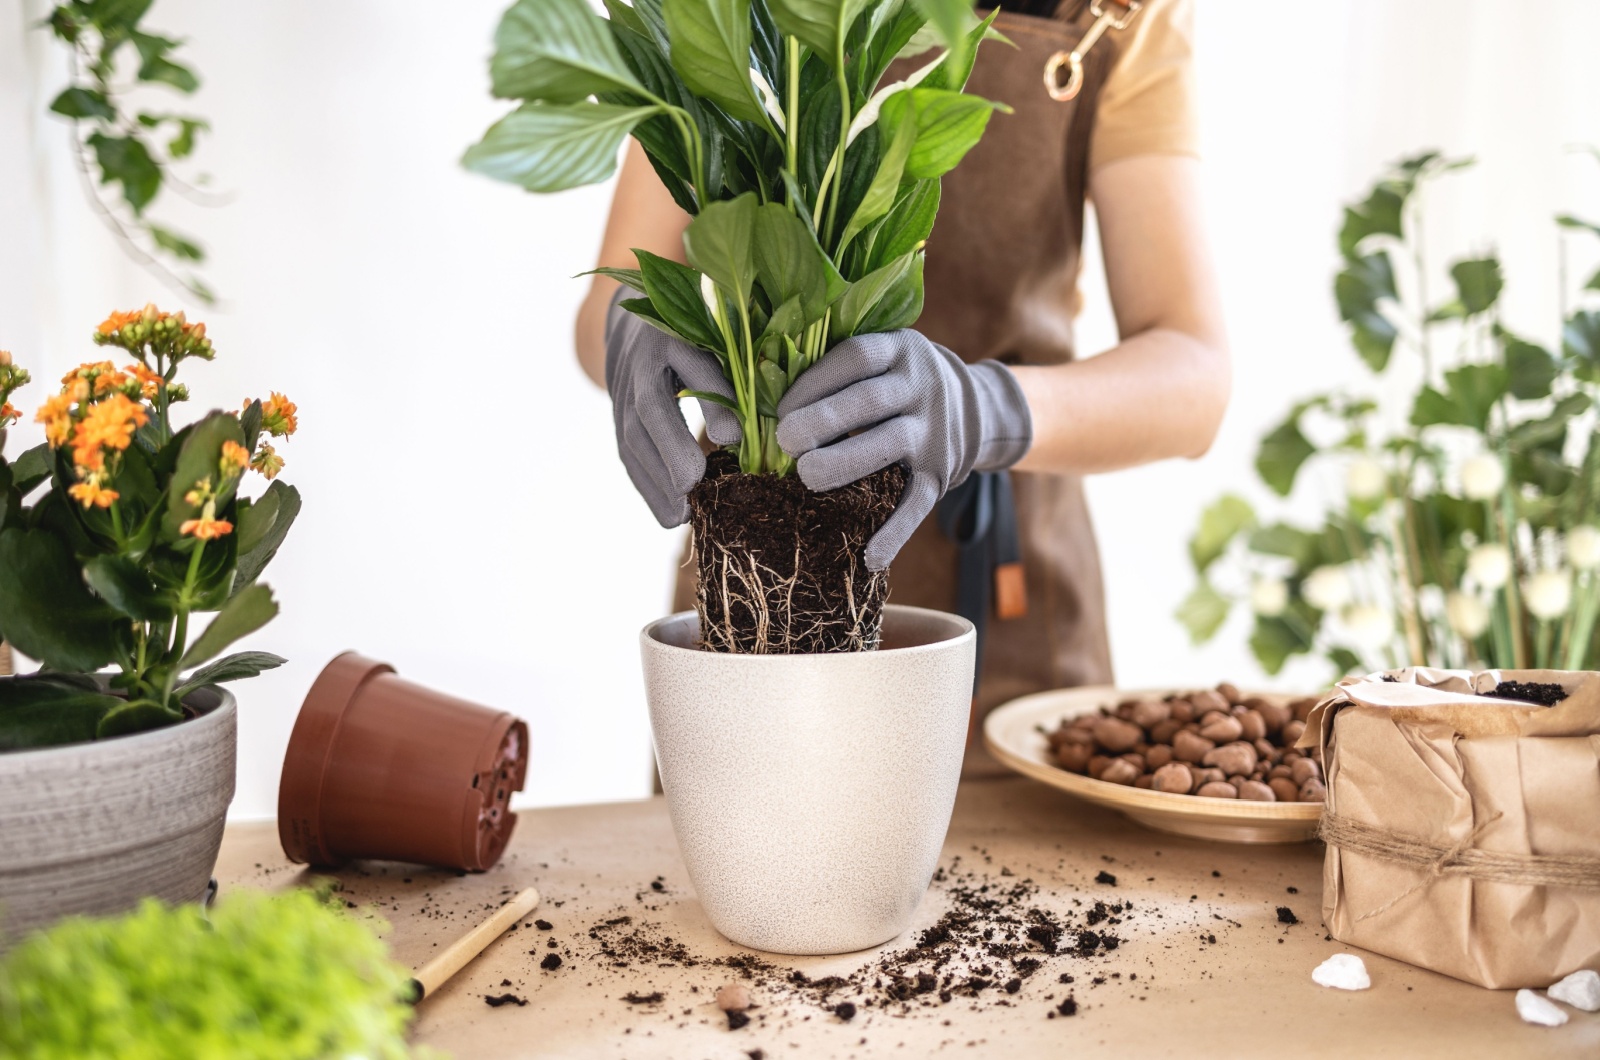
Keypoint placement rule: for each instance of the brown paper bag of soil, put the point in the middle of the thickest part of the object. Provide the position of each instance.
(1463, 832)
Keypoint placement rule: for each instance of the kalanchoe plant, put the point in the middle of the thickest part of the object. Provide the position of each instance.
(127, 143)
(263, 977)
(813, 187)
(137, 529)
(1465, 538)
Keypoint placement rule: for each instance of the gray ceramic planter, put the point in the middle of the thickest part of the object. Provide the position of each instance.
(810, 794)
(94, 827)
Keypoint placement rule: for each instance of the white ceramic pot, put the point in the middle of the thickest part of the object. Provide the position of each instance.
(94, 827)
(811, 793)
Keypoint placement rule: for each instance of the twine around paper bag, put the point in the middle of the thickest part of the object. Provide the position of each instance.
(1459, 859)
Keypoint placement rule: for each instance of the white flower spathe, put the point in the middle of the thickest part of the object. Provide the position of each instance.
(1269, 596)
(1365, 479)
(1327, 588)
(1548, 593)
(1369, 624)
(1583, 547)
(1489, 565)
(1467, 615)
(1482, 476)
(769, 99)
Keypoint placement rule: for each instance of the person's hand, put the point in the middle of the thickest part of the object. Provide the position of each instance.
(914, 402)
(645, 369)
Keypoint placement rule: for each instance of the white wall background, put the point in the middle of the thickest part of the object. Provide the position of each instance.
(466, 517)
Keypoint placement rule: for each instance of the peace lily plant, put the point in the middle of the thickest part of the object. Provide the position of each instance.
(812, 186)
(1465, 536)
(138, 529)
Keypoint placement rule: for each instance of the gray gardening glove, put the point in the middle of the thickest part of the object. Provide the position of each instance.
(645, 369)
(914, 402)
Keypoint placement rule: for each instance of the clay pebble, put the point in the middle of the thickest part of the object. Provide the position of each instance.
(1342, 971)
(1539, 1010)
(1581, 990)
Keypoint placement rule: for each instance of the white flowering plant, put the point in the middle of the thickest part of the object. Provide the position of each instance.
(1465, 531)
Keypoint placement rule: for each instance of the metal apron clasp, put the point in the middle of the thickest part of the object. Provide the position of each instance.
(1103, 20)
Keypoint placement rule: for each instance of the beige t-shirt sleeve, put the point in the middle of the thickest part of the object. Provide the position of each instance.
(1147, 106)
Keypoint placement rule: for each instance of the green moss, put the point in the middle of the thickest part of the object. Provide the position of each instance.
(279, 977)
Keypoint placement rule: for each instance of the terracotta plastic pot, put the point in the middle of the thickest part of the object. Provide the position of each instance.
(811, 794)
(381, 767)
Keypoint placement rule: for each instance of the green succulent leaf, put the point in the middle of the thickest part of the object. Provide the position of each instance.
(555, 146)
(261, 531)
(199, 460)
(235, 667)
(46, 610)
(556, 51)
(141, 715)
(124, 585)
(48, 711)
(244, 613)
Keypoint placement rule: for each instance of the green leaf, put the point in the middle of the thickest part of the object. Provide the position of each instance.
(124, 585)
(1549, 430)
(771, 382)
(908, 225)
(720, 243)
(900, 304)
(1567, 220)
(631, 278)
(142, 715)
(1202, 612)
(78, 102)
(175, 244)
(715, 399)
(200, 459)
(1358, 290)
(244, 613)
(882, 191)
(949, 124)
(950, 19)
(863, 295)
(1471, 392)
(46, 610)
(126, 160)
(1275, 639)
(235, 667)
(1345, 661)
(284, 500)
(821, 25)
(957, 67)
(1478, 283)
(1530, 367)
(1222, 521)
(1580, 336)
(182, 145)
(555, 146)
(711, 52)
(1380, 214)
(674, 291)
(1282, 453)
(165, 71)
(1281, 539)
(31, 468)
(789, 262)
(557, 51)
(48, 711)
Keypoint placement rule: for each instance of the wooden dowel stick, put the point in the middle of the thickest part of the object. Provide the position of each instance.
(458, 954)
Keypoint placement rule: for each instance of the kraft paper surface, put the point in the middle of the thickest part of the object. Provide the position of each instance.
(1424, 758)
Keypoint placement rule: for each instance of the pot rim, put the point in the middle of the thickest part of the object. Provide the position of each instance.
(650, 638)
(196, 727)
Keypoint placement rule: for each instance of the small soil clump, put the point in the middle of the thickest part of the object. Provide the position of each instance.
(1546, 694)
(782, 570)
(496, 1000)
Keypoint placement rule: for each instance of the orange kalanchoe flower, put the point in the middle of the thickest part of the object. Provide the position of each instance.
(267, 461)
(149, 380)
(8, 414)
(206, 529)
(278, 416)
(117, 321)
(235, 458)
(91, 494)
(108, 425)
(56, 415)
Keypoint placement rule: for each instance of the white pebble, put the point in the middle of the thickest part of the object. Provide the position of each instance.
(1342, 971)
(1541, 1010)
(1580, 990)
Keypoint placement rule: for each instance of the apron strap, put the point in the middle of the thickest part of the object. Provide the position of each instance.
(980, 517)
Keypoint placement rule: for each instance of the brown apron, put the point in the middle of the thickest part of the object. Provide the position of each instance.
(1002, 282)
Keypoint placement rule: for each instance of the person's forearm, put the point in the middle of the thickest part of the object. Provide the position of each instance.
(1160, 394)
(590, 332)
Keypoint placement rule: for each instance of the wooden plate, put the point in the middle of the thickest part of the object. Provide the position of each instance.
(1014, 733)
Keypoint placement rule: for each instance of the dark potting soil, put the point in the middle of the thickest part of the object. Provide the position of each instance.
(496, 1000)
(782, 570)
(1546, 694)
